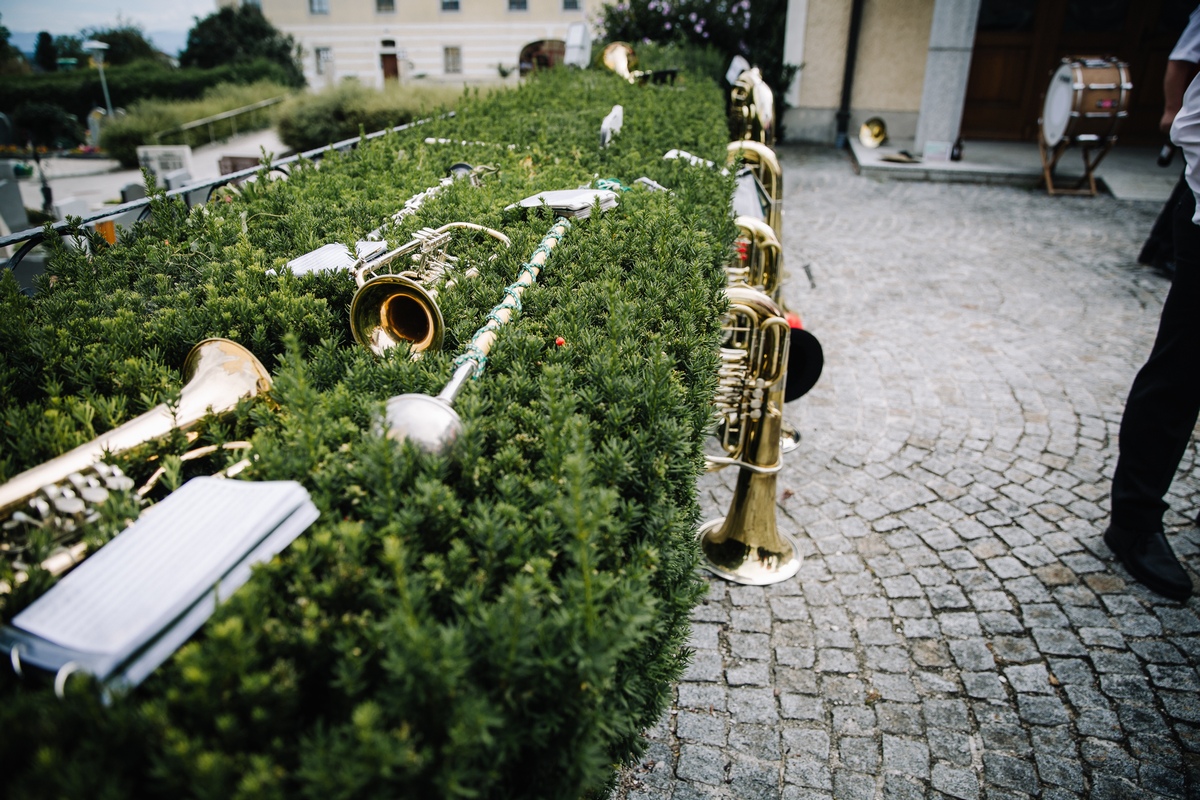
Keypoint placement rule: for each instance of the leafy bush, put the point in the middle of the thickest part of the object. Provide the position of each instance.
(79, 91)
(499, 623)
(122, 135)
(340, 112)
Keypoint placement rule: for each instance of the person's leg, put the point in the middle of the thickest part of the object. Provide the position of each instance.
(1159, 249)
(1159, 417)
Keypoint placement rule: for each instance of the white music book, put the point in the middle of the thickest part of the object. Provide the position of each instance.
(128, 607)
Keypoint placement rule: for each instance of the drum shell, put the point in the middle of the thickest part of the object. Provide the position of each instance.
(1099, 97)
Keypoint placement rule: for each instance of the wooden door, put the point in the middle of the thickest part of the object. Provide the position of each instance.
(391, 69)
(1019, 43)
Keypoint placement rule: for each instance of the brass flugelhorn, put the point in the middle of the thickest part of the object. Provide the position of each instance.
(390, 308)
(218, 373)
(746, 546)
(752, 108)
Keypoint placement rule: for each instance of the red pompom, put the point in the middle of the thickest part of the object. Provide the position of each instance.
(560, 341)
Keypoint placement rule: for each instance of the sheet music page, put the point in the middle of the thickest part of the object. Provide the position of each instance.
(149, 574)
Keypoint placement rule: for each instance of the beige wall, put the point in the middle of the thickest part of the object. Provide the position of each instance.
(889, 68)
(486, 32)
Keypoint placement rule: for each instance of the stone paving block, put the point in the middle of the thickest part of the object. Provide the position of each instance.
(760, 742)
(1138, 625)
(1058, 642)
(955, 782)
(701, 763)
(895, 687)
(703, 728)
(706, 665)
(805, 770)
(1157, 652)
(750, 673)
(752, 704)
(849, 785)
(702, 695)
(1009, 772)
(1029, 679)
(794, 706)
(972, 655)
(921, 629)
(1028, 590)
(756, 619)
(984, 685)
(959, 625)
(998, 622)
(1040, 710)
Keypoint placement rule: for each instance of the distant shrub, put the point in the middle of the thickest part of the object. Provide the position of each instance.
(313, 120)
(150, 116)
(79, 91)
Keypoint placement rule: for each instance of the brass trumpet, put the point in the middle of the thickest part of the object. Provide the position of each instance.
(394, 307)
(218, 373)
(620, 58)
(746, 546)
(752, 108)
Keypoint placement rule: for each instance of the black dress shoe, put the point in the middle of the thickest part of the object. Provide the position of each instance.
(1150, 560)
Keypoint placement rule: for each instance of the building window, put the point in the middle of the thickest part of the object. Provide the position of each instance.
(518, 5)
(449, 5)
(388, 44)
(385, 6)
(324, 60)
(452, 60)
(570, 5)
(318, 6)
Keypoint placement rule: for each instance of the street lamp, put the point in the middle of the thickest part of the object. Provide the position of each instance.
(97, 50)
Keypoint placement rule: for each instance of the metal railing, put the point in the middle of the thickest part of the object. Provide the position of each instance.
(231, 115)
(32, 237)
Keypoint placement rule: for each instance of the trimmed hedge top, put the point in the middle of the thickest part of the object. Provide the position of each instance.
(500, 623)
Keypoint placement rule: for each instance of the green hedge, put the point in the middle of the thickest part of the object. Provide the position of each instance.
(79, 91)
(499, 623)
(315, 119)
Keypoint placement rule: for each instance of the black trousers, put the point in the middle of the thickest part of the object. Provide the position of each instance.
(1164, 401)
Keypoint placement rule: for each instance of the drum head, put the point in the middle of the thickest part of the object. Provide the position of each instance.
(1060, 98)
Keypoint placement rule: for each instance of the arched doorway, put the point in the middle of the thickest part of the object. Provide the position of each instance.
(542, 55)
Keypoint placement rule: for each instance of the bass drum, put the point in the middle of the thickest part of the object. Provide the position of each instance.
(1087, 97)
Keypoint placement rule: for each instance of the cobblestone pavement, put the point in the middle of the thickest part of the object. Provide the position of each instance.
(958, 628)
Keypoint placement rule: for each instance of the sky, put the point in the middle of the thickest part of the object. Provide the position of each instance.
(165, 22)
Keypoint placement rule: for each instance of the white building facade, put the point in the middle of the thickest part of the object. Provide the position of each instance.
(438, 40)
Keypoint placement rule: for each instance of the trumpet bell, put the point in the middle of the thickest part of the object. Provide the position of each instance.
(391, 309)
(428, 422)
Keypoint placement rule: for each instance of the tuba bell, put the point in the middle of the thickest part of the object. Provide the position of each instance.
(218, 373)
(391, 308)
(746, 546)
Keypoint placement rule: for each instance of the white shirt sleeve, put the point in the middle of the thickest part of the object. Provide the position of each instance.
(1185, 133)
(1188, 46)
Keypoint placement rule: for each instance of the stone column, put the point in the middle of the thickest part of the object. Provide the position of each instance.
(951, 39)
(793, 45)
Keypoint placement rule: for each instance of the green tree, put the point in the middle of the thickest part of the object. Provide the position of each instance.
(126, 43)
(46, 125)
(44, 53)
(11, 60)
(71, 47)
(730, 26)
(237, 35)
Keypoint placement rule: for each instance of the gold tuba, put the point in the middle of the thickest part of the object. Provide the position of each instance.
(752, 108)
(758, 258)
(762, 194)
(218, 373)
(745, 546)
(394, 307)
